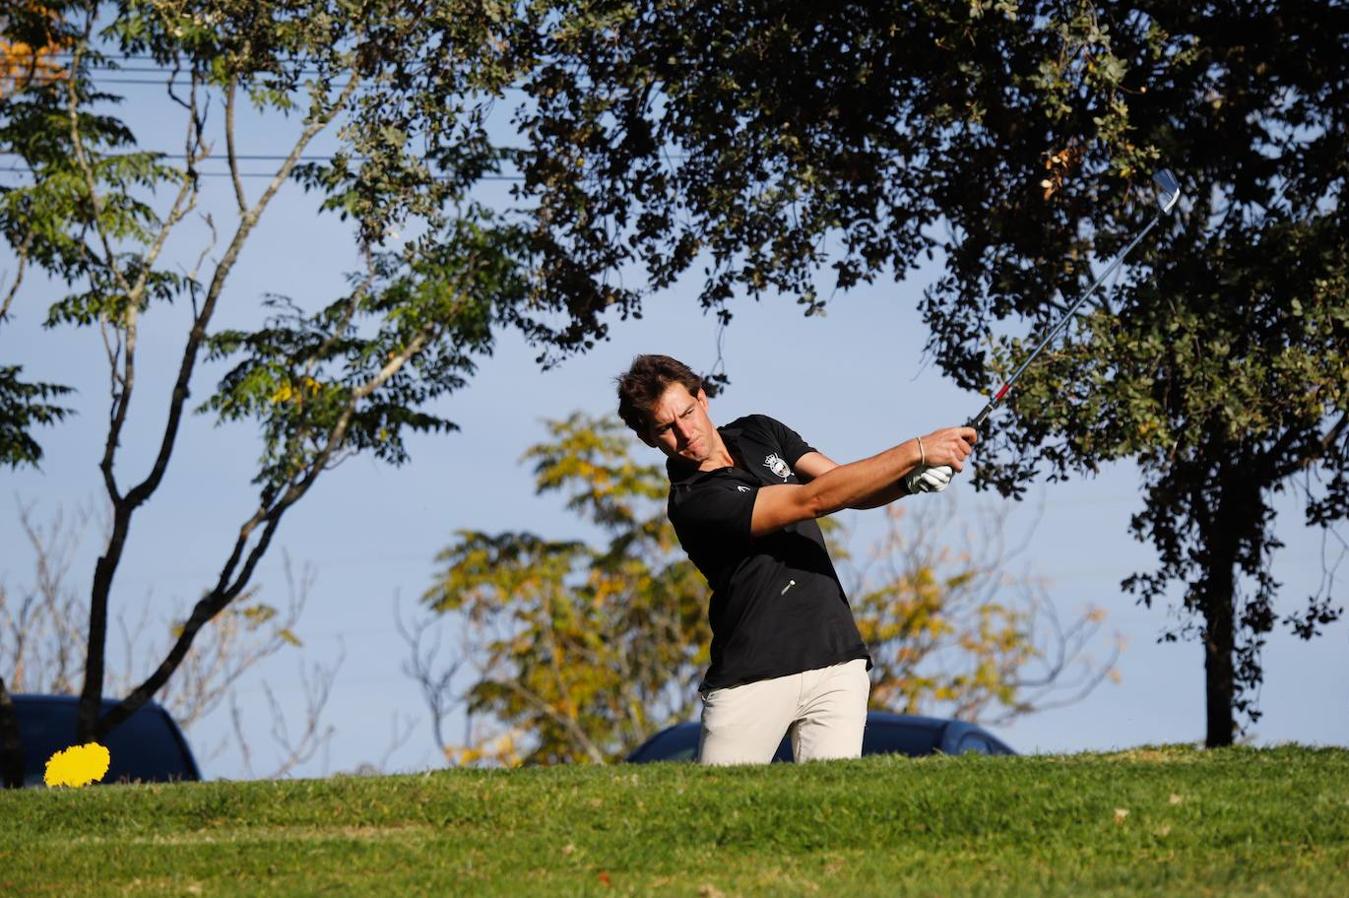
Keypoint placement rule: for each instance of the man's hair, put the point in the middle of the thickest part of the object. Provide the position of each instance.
(645, 382)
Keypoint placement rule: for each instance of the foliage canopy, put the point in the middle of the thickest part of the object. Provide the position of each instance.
(805, 148)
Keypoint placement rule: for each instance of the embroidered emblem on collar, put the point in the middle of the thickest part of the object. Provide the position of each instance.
(777, 466)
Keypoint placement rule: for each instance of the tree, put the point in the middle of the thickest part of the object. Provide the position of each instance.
(952, 633)
(580, 652)
(31, 43)
(803, 149)
(405, 91)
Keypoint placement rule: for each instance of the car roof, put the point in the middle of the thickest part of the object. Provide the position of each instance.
(947, 731)
(33, 697)
(874, 717)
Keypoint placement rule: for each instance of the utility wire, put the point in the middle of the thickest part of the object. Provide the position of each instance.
(249, 157)
(272, 174)
(96, 82)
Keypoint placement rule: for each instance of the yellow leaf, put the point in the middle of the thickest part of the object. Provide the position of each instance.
(289, 637)
(258, 614)
(1121, 814)
(77, 766)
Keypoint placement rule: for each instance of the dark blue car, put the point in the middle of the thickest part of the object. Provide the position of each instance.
(886, 734)
(147, 747)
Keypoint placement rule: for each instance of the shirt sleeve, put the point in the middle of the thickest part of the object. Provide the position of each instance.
(793, 447)
(715, 511)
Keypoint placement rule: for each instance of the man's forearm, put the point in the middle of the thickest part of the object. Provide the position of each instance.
(864, 484)
(883, 496)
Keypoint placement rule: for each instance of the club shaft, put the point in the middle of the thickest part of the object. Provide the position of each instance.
(978, 420)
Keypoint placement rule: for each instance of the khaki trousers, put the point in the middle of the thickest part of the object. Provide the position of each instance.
(825, 711)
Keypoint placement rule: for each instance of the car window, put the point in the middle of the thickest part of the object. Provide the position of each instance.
(975, 743)
(888, 738)
(146, 747)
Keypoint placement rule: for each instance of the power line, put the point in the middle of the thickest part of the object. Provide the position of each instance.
(159, 81)
(265, 157)
(248, 157)
(166, 70)
(169, 70)
(270, 174)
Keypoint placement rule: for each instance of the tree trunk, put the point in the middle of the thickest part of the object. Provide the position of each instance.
(11, 746)
(1219, 645)
(1239, 514)
(91, 696)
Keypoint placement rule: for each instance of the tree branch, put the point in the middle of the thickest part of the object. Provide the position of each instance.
(229, 145)
(143, 490)
(82, 158)
(24, 249)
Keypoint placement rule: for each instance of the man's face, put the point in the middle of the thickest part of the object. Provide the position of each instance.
(680, 426)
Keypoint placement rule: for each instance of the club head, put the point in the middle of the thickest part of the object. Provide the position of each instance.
(1168, 189)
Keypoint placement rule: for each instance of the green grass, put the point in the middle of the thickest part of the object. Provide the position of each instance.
(1235, 822)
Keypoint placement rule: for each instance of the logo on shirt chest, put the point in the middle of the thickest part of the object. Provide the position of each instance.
(777, 466)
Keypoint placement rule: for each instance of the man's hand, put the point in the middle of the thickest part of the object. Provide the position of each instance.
(949, 446)
(923, 479)
(944, 453)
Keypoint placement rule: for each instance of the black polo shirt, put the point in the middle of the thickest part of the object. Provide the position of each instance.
(777, 605)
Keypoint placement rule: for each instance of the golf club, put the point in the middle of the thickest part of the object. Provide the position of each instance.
(1167, 195)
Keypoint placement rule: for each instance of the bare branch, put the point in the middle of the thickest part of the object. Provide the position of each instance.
(946, 606)
(436, 685)
(399, 734)
(236, 721)
(23, 250)
(239, 196)
(317, 684)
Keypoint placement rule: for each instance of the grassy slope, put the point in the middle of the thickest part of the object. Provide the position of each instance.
(1234, 822)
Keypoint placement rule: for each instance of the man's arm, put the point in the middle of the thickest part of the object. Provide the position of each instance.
(813, 464)
(850, 485)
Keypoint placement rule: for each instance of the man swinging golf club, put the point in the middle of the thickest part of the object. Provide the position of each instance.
(786, 654)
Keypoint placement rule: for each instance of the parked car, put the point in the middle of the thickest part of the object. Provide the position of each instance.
(885, 734)
(147, 747)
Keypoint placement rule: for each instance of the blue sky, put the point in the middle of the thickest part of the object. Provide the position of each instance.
(851, 382)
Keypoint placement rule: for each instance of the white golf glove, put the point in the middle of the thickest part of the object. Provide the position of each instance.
(924, 479)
